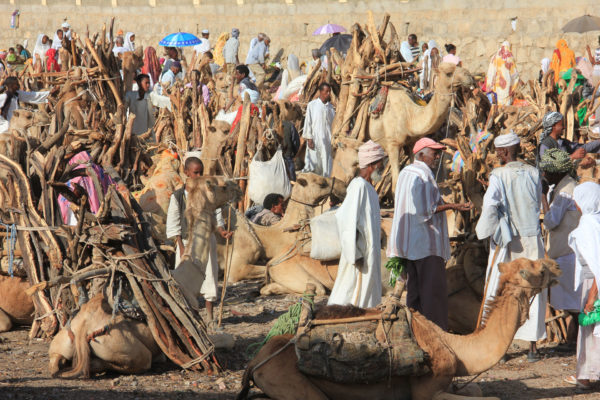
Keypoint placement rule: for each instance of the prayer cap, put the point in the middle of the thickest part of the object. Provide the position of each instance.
(507, 140)
(426, 142)
(556, 161)
(193, 154)
(369, 153)
(205, 32)
(65, 25)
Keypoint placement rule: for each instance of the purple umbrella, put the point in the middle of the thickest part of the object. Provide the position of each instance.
(329, 28)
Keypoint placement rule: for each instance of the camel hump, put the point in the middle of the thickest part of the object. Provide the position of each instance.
(366, 350)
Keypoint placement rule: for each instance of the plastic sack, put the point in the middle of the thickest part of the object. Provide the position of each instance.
(266, 177)
(226, 117)
(325, 243)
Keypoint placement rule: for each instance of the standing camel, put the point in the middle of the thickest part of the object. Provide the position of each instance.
(275, 372)
(403, 121)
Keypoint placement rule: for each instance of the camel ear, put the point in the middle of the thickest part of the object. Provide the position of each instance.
(524, 274)
(16, 113)
(302, 182)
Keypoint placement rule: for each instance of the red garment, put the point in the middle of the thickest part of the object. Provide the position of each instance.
(52, 63)
(238, 116)
(151, 64)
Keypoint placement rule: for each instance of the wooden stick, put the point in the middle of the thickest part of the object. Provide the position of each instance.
(104, 71)
(373, 317)
(487, 281)
(227, 268)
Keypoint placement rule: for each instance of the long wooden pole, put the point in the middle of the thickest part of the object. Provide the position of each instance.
(104, 72)
(227, 268)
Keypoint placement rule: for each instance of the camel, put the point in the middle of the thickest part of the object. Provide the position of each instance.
(212, 147)
(308, 192)
(20, 127)
(16, 307)
(403, 122)
(132, 61)
(126, 345)
(96, 342)
(275, 372)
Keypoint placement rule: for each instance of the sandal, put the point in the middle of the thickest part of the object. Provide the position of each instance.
(571, 380)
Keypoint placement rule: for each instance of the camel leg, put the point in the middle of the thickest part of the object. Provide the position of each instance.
(248, 271)
(274, 288)
(449, 396)
(5, 322)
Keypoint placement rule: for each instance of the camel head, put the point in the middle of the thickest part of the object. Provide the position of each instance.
(345, 163)
(23, 119)
(532, 276)
(453, 77)
(222, 81)
(287, 110)
(213, 145)
(60, 352)
(207, 193)
(311, 188)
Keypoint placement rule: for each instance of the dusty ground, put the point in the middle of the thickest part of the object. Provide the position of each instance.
(23, 365)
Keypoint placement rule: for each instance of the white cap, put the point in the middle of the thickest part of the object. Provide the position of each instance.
(507, 140)
(65, 25)
(205, 31)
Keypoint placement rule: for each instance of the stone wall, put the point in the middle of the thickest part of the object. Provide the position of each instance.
(475, 27)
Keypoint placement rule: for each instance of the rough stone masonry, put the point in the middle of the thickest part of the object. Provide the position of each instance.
(476, 27)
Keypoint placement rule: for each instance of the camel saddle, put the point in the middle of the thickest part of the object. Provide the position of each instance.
(364, 351)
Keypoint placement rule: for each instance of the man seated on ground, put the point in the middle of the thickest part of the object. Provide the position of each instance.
(272, 212)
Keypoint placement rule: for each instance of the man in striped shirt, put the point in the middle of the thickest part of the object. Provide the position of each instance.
(420, 233)
(410, 49)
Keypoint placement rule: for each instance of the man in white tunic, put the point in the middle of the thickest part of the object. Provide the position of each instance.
(510, 218)
(420, 233)
(204, 46)
(139, 104)
(177, 230)
(9, 101)
(317, 132)
(358, 281)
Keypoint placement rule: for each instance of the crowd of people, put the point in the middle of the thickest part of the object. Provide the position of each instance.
(517, 193)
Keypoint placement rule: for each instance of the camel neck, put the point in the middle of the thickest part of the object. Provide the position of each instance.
(483, 349)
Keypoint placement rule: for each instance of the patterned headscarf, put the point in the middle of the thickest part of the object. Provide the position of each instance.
(556, 161)
(550, 119)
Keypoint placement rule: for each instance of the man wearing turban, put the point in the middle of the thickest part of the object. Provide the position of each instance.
(358, 281)
(420, 233)
(510, 218)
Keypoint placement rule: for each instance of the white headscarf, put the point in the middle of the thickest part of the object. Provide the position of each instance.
(293, 67)
(585, 239)
(40, 48)
(545, 65)
(426, 64)
(128, 44)
(56, 42)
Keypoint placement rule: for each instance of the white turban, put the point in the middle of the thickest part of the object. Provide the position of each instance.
(205, 31)
(507, 140)
(369, 153)
(193, 153)
(65, 25)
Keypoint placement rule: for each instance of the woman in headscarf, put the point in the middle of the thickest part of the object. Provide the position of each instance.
(83, 160)
(563, 59)
(430, 63)
(544, 67)
(151, 65)
(585, 242)
(218, 57)
(57, 40)
(502, 76)
(129, 43)
(42, 45)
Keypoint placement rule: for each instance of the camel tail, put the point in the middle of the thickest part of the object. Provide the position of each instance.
(81, 358)
(243, 394)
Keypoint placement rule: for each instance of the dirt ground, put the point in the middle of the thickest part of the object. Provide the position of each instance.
(24, 375)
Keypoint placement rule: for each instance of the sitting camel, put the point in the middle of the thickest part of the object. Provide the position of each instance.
(126, 345)
(404, 122)
(16, 307)
(308, 193)
(275, 372)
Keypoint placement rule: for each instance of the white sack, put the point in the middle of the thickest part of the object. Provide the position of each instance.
(325, 243)
(266, 177)
(226, 117)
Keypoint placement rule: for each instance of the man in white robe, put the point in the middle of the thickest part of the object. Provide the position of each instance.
(358, 281)
(420, 233)
(317, 132)
(138, 103)
(9, 101)
(510, 218)
(204, 46)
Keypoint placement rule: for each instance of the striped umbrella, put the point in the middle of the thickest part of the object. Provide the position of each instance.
(328, 29)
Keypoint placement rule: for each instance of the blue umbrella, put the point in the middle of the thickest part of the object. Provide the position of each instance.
(180, 39)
